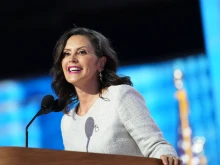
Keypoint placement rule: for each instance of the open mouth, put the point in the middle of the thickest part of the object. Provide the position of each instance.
(74, 69)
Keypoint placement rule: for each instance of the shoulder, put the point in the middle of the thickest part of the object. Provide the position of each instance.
(120, 88)
(123, 90)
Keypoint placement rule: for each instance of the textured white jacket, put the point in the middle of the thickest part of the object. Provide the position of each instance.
(119, 123)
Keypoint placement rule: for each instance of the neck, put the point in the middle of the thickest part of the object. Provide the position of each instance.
(87, 97)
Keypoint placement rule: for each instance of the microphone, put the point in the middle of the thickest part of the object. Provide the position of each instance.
(57, 106)
(47, 105)
(89, 127)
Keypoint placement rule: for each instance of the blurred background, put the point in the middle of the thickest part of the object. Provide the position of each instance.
(169, 48)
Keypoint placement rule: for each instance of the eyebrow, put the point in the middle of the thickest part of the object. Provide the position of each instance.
(77, 48)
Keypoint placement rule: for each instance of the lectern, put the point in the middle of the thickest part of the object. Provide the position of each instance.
(34, 156)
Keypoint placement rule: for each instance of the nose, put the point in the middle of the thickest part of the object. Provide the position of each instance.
(73, 59)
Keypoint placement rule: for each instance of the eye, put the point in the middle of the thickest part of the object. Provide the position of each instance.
(66, 54)
(82, 52)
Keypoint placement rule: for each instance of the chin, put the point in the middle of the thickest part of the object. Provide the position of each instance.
(71, 81)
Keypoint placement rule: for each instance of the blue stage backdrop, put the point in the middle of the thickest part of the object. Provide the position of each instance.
(20, 100)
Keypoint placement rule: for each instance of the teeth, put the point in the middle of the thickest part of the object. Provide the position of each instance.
(74, 69)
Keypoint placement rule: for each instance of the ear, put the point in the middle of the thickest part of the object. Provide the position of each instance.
(102, 62)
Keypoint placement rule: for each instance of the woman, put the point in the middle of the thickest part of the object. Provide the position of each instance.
(110, 116)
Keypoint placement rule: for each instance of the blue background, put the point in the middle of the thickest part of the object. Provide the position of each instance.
(20, 101)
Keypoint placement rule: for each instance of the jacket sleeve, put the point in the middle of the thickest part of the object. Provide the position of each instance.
(137, 120)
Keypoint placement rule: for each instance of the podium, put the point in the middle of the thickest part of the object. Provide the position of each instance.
(34, 156)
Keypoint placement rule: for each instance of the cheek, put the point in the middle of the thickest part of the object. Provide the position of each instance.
(63, 62)
(91, 63)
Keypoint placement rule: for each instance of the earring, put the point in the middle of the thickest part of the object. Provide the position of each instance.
(100, 76)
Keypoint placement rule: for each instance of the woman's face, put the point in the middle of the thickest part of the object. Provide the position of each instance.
(80, 64)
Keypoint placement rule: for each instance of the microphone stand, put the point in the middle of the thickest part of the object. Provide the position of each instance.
(46, 105)
(26, 134)
(54, 106)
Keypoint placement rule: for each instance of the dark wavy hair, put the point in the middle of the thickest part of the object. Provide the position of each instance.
(102, 47)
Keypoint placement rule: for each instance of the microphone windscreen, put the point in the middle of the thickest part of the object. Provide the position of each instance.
(59, 104)
(47, 101)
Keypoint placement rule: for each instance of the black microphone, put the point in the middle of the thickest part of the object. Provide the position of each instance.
(57, 106)
(89, 127)
(46, 104)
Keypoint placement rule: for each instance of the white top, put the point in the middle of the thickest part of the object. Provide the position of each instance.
(119, 123)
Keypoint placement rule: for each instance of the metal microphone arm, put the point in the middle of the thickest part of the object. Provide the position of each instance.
(46, 105)
(26, 134)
